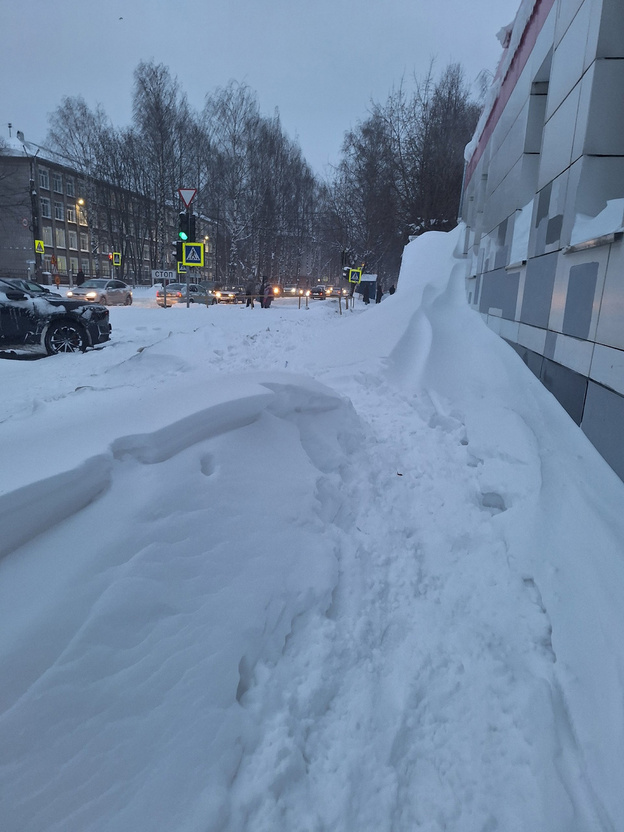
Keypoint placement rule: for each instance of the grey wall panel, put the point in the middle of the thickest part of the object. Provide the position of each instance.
(477, 290)
(603, 424)
(558, 139)
(610, 330)
(611, 38)
(605, 123)
(499, 290)
(580, 299)
(543, 204)
(538, 290)
(568, 387)
(533, 360)
(502, 257)
(553, 229)
(550, 345)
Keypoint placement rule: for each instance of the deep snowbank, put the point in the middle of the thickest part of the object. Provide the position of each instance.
(282, 570)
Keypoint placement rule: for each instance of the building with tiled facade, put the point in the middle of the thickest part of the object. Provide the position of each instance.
(543, 206)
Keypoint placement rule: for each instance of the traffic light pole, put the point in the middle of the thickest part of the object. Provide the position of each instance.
(188, 225)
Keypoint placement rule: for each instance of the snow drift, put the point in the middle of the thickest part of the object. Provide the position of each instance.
(290, 570)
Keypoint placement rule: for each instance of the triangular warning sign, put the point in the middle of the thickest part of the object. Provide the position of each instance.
(192, 255)
(39, 247)
(187, 195)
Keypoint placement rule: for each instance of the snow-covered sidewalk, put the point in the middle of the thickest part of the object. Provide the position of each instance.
(286, 571)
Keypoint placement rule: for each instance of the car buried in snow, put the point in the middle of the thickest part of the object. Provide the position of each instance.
(31, 286)
(47, 323)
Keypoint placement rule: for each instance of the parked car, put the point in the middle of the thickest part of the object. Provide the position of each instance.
(101, 290)
(49, 323)
(30, 286)
(231, 294)
(318, 292)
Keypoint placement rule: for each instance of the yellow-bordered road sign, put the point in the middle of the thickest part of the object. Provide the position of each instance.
(39, 247)
(193, 254)
(355, 275)
(181, 268)
(116, 258)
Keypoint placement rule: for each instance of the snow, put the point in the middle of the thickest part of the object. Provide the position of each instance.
(293, 570)
(510, 37)
(608, 221)
(521, 233)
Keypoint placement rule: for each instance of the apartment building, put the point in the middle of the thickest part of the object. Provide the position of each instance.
(55, 221)
(543, 206)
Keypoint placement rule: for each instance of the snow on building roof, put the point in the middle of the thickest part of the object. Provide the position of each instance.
(512, 37)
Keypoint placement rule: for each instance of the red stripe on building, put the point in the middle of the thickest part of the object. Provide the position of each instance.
(518, 62)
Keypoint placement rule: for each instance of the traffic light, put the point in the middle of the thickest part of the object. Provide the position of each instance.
(345, 272)
(178, 251)
(110, 258)
(347, 258)
(183, 226)
(192, 229)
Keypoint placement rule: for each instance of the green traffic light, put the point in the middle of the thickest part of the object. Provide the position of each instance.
(183, 235)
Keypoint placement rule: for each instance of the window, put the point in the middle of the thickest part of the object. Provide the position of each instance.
(60, 238)
(45, 207)
(84, 242)
(59, 214)
(73, 265)
(57, 183)
(72, 239)
(61, 263)
(105, 268)
(82, 214)
(47, 262)
(69, 186)
(71, 213)
(84, 265)
(47, 235)
(44, 179)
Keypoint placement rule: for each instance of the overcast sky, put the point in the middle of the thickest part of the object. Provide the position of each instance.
(319, 62)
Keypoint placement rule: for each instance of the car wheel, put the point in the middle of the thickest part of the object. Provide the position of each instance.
(128, 301)
(65, 336)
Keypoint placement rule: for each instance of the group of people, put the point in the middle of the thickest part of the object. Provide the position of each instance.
(262, 292)
(379, 292)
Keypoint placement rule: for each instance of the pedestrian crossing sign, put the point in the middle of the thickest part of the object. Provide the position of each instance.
(355, 275)
(193, 254)
(39, 247)
(116, 258)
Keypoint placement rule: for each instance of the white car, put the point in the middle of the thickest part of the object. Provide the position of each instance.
(102, 290)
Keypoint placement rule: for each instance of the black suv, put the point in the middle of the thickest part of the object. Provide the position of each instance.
(48, 322)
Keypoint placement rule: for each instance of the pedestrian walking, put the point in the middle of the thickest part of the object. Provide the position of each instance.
(250, 291)
(378, 293)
